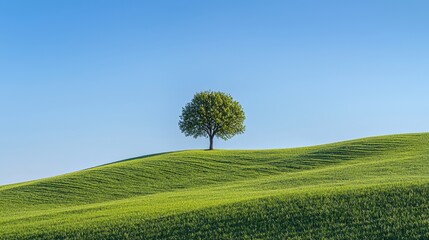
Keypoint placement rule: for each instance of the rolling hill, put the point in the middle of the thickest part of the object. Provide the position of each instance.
(371, 188)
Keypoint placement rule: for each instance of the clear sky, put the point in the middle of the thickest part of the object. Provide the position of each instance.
(83, 83)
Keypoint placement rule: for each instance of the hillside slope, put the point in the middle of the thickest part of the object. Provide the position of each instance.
(366, 188)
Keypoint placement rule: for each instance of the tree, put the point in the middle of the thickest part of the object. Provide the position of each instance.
(211, 114)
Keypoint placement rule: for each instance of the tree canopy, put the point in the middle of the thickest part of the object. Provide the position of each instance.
(211, 114)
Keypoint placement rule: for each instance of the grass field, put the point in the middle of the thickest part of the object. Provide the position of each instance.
(372, 188)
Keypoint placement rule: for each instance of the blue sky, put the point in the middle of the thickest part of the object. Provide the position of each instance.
(83, 83)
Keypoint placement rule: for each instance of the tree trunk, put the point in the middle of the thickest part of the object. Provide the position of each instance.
(211, 142)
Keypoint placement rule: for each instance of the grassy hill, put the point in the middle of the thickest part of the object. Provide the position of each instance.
(372, 188)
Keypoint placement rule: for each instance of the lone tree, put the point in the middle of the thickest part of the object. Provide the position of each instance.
(211, 114)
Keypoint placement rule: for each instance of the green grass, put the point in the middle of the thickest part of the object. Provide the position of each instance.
(372, 188)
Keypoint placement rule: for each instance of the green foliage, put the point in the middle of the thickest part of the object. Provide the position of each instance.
(373, 188)
(212, 114)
